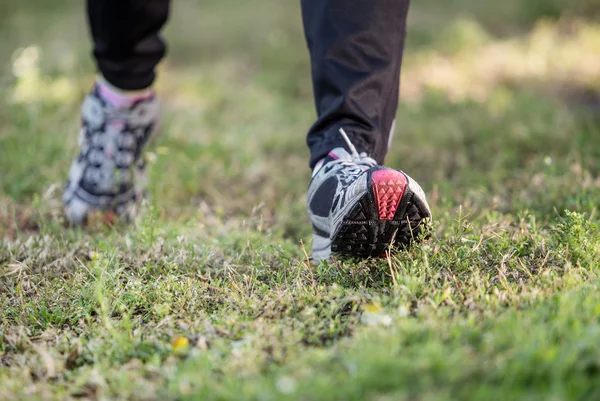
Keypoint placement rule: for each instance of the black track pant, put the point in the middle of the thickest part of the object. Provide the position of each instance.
(356, 52)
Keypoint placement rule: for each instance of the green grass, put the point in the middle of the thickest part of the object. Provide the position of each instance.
(210, 297)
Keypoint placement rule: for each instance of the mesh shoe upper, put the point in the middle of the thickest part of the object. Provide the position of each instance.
(108, 173)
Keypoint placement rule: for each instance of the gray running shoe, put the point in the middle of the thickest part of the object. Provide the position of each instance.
(361, 209)
(108, 175)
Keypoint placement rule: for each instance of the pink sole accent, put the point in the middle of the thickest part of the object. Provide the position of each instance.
(389, 186)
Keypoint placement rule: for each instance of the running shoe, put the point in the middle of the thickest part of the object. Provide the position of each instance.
(360, 209)
(108, 175)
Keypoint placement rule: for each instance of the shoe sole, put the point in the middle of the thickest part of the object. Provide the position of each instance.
(84, 209)
(388, 215)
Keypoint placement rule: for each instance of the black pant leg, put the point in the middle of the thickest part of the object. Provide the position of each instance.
(356, 52)
(127, 41)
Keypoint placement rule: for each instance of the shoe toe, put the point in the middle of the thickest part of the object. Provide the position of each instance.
(77, 211)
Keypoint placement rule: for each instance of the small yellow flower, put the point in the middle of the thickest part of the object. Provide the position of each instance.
(374, 315)
(151, 157)
(180, 343)
(373, 308)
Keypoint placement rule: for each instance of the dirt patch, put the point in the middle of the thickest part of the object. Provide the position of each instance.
(16, 220)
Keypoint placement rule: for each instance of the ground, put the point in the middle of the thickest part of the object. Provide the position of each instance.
(210, 295)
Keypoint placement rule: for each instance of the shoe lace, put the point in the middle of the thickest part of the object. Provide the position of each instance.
(358, 162)
(353, 166)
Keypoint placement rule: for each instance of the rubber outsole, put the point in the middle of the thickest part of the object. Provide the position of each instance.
(81, 209)
(384, 217)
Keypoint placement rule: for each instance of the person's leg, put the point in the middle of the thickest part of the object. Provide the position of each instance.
(120, 113)
(127, 41)
(356, 51)
(358, 207)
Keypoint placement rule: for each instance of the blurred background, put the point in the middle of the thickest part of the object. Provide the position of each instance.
(500, 109)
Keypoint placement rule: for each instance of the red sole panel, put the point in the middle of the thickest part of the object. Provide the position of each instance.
(389, 187)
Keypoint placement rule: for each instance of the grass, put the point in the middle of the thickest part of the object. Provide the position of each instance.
(210, 297)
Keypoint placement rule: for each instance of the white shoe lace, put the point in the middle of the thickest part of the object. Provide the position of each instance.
(359, 162)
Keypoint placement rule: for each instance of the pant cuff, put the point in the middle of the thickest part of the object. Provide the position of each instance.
(322, 143)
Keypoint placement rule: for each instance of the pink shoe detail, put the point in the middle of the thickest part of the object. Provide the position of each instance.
(389, 187)
(121, 99)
